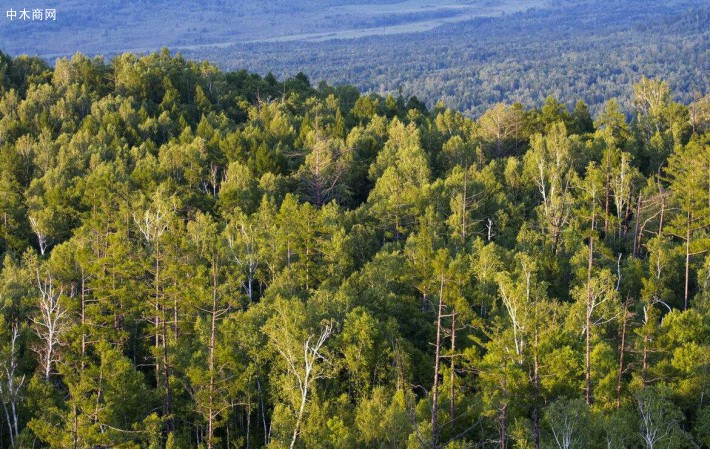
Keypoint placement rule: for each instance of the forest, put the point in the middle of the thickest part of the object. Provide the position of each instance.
(199, 258)
(111, 27)
(571, 49)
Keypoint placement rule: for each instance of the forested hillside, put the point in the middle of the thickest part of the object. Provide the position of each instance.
(594, 50)
(197, 258)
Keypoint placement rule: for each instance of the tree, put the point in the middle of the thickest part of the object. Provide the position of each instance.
(241, 237)
(381, 425)
(208, 377)
(301, 354)
(552, 112)
(659, 420)
(238, 190)
(549, 163)
(623, 178)
(226, 260)
(522, 294)
(502, 126)
(12, 213)
(689, 173)
(596, 300)
(611, 122)
(153, 224)
(699, 112)
(324, 171)
(581, 119)
(502, 380)
(365, 352)
(401, 174)
(569, 422)
(51, 322)
(106, 403)
(652, 101)
(11, 381)
(440, 266)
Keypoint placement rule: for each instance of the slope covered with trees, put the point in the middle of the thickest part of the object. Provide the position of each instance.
(198, 258)
(593, 50)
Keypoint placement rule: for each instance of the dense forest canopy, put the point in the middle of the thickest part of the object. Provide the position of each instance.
(198, 258)
(592, 50)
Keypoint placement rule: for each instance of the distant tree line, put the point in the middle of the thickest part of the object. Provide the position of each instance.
(573, 50)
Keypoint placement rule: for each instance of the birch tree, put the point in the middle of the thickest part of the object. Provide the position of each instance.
(549, 164)
(50, 323)
(302, 353)
(153, 222)
(659, 420)
(241, 235)
(11, 381)
(568, 421)
(596, 302)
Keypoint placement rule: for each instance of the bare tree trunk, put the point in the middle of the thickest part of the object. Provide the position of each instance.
(157, 315)
(299, 418)
(687, 261)
(623, 231)
(536, 385)
(75, 430)
(166, 381)
(660, 221)
(14, 385)
(10, 391)
(607, 194)
(8, 394)
(176, 331)
(503, 417)
(637, 236)
(248, 437)
(83, 316)
(9, 424)
(263, 412)
(437, 356)
(588, 321)
(161, 337)
(622, 350)
(161, 331)
(463, 207)
(310, 355)
(452, 397)
(50, 323)
(213, 324)
(644, 364)
(308, 260)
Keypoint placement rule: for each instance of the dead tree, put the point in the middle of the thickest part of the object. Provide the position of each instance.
(50, 324)
(303, 369)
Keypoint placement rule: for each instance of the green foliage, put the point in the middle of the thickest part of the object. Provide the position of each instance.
(193, 258)
(569, 423)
